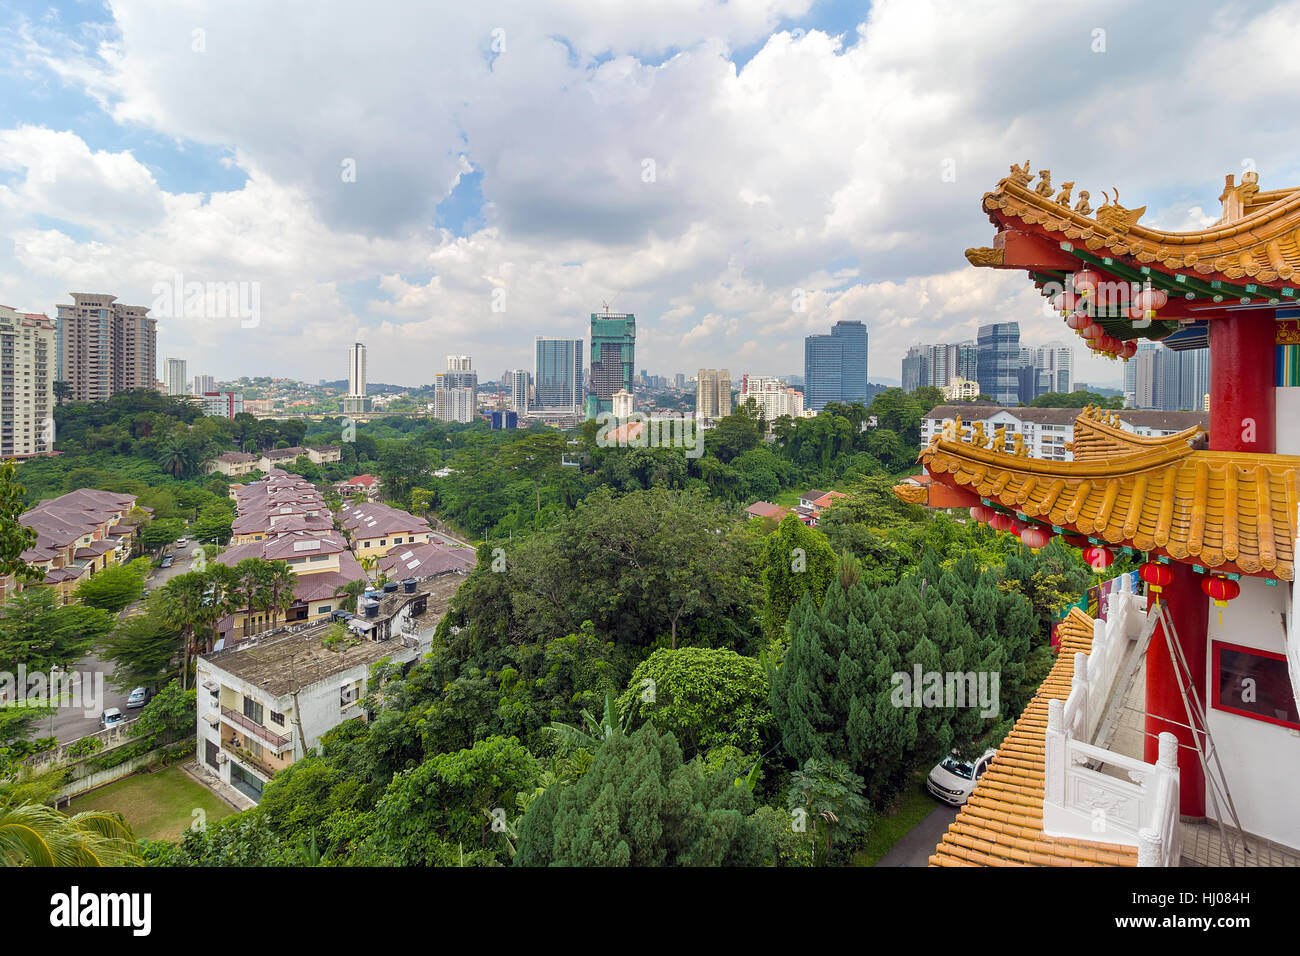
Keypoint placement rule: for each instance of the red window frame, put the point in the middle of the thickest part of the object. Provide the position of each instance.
(1218, 648)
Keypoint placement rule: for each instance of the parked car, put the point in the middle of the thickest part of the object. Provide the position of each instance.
(111, 718)
(137, 698)
(167, 562)
(182, 544)
(953, 779)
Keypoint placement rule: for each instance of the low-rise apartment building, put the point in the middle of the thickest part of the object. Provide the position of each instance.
(234, 464)
(267, 702)
(279, 457)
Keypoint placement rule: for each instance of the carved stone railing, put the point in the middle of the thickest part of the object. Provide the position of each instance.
(1083, 803)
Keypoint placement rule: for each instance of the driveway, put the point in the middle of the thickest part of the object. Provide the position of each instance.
(917, 844)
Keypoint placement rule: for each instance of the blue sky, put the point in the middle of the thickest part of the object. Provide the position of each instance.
(518, 164)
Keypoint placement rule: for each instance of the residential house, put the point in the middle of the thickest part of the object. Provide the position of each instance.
(234, 464)
(375, 528)
(77, 534)
(267, 702)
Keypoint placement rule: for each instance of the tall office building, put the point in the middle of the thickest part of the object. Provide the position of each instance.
(455, 391)
(915, 368)
(517, 380)
(713, 394)
(28, 344)
(835, 365)
(1171, 381)
(356, 399)
(203, 384)
(999, 362)
(557, 375)
(105, 347)
(174, 376)
(613, 354)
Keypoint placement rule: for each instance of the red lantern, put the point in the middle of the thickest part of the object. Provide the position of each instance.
(1092, 332)
(1098, 558)
(1221, 590)
(1086, 281)
(1079, 320)
(1034, 537)
(1130, 349)
(1002, 522)
(981, 513)
(1065, 302)
(1156, 575)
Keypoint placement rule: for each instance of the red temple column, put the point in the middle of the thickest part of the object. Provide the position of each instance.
(1243, 410)
(1188, 608)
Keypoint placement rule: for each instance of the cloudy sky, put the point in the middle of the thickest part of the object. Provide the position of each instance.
(435, 178)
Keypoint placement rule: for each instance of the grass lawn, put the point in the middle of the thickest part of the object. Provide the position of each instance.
(911, 807)
(158, 806)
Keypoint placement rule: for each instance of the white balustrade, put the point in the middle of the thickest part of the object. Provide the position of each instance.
(1079, 800)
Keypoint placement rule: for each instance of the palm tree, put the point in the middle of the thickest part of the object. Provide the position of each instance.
(351, 593)
(32, 834)
(279, 589)
(174, 458)
(251, 589)
(592, 733)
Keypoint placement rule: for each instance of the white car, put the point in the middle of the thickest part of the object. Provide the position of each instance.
(953, 779)
(137, 698)
(111, 718)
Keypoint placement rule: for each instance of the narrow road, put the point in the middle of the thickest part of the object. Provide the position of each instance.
(917, 844)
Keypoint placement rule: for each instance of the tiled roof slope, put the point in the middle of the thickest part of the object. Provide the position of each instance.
(1223, 510)
(1002, 822)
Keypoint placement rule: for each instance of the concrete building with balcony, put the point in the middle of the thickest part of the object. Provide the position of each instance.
(281, 457)
(267, 702)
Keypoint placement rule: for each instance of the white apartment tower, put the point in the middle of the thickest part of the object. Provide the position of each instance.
(28, 344)
(174, 376)
(357, 371)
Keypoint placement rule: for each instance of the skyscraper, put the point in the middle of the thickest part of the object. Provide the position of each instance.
(557, 375)
(455, 391)
(28, 343)
(174, 376)
(105, 347)
(518, 396)
(999, 362)
(1171, 381)
(613, 354)
(203, 384)
(915, 368)
(835, 365)
(713, 393)
(356, 400)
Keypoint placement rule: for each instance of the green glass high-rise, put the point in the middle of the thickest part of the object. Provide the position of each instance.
(613, 356)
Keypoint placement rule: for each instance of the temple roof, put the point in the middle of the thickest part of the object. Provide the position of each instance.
(1232, 512)
(1256, 241)
(1002, 822)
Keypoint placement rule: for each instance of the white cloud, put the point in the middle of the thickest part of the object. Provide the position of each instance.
(851, 169)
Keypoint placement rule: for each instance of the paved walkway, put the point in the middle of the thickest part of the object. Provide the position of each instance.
(227, 793)
(915, 846)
